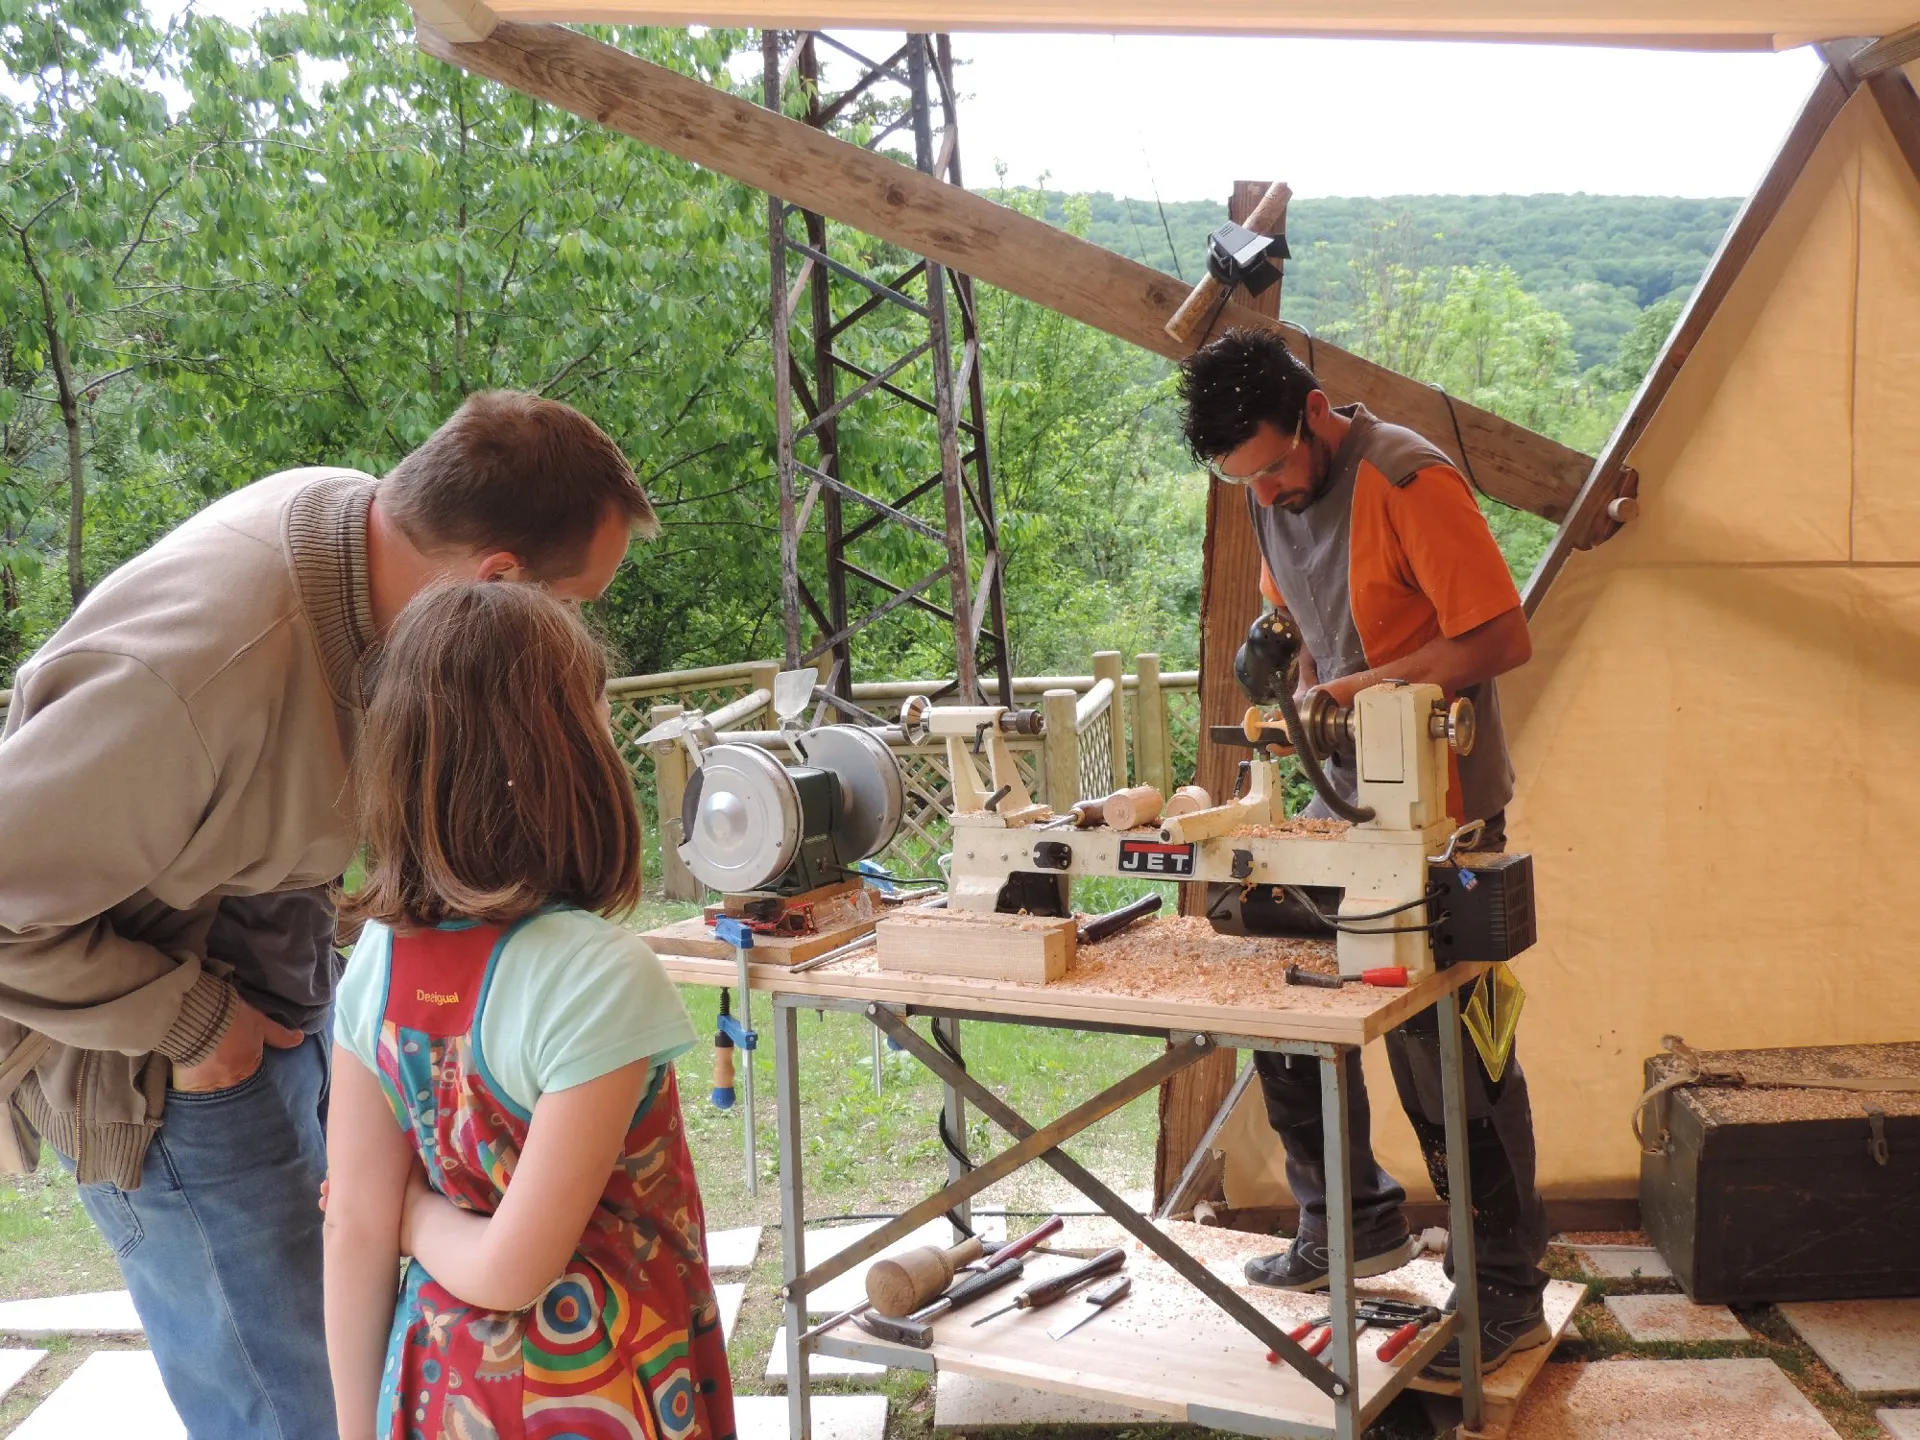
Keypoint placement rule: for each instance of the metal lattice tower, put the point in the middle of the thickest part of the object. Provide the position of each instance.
(852, 349)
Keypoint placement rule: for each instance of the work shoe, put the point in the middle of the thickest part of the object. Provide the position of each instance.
(1303, 1265)
(1500, 1337)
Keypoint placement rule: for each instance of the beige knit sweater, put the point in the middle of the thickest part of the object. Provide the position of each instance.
(184, 737)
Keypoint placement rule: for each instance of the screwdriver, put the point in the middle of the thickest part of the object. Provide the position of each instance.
(1048, 1291)
(1389, 977)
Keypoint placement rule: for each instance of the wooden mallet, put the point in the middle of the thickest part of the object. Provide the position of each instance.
(1201, 307)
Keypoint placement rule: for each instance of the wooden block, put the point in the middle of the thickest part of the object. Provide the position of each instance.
(1185, 801)
(1032, 949)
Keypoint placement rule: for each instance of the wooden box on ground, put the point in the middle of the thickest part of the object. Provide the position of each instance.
(1030, 948)
(1788, 1194)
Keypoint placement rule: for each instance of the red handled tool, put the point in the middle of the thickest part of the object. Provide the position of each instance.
(1387, 977)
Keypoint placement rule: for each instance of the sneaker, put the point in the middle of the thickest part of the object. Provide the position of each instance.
(1303, 1266)
(1499, 1339)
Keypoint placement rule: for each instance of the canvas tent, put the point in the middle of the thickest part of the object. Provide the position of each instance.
(1715, 740)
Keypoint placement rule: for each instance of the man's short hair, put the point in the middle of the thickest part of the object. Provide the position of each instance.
(1234, 383)
(515, 472)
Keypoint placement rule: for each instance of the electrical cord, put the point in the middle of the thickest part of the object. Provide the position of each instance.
(1340, 923)
(948, 1142)
(1310, 758)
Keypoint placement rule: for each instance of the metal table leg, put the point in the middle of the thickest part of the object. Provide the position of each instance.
(793, 1216)
(1466, 1277)
(1342, 1355)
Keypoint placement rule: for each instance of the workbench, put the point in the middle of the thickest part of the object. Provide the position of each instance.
(1204, 1363)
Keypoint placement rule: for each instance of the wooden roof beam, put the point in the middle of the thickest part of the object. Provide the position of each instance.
(1587, 517)
(1887, 53)
(462, 21)
(971, 234)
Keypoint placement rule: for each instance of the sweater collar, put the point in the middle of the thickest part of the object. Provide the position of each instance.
(327, 546)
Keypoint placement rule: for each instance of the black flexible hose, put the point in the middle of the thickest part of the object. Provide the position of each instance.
(1310, 762)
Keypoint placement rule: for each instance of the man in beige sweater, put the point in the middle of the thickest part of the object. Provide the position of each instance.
(173, 809)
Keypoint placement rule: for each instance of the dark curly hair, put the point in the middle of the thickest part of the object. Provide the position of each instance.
(1232, 384)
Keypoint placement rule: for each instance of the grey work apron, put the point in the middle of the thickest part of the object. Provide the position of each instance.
(1308, 554)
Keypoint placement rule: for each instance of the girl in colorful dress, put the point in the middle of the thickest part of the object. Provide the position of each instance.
(503, 1107)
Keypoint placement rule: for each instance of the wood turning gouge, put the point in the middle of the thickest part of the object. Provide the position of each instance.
(1048, 1291)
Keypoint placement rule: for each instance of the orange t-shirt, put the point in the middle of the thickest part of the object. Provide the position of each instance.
(1421, 563)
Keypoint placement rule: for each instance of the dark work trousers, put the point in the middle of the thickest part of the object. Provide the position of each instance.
(1509, 1217)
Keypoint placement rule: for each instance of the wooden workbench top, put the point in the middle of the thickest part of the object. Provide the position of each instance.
(1172, 973)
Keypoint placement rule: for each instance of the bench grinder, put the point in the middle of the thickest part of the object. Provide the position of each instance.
(755, 825)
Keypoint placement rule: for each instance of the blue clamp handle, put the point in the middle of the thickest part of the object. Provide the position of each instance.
(746, 1039)
(734, 932)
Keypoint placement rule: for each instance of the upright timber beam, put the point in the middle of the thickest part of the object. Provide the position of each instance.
(972, 235)
(1588, 512)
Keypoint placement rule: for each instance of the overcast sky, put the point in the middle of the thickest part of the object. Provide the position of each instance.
(1188, 116)
(1183, 117)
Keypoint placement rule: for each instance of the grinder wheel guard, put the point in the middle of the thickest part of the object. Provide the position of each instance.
(873, 793)
(741, 818)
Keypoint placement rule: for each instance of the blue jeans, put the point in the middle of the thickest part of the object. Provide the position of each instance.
(220, 1246)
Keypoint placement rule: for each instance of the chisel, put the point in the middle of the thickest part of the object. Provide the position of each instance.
(1098, 1299)
(1048, 1291)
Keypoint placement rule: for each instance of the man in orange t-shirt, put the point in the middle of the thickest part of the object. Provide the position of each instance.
(1372, 541)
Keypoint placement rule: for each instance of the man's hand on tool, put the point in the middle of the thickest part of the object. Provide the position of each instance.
(240, 1051)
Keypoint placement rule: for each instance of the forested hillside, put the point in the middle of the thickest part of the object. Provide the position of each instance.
(1599, 260)
(229, 251)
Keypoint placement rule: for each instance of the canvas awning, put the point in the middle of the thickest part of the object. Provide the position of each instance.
(1670, 24)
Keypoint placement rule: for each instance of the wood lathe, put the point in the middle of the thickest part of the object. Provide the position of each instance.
(1394, 885)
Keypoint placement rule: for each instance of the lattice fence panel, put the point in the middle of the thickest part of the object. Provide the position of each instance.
(1096, 759)
(1183, 733)
(630, 722)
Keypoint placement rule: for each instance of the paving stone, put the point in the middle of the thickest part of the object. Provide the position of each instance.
(835, 1417)
(729, 1297)
(1667, 1400)
(1900, 1424)
(104, 1312)
(114, 1395)
(1872, 1345)
(14, 1365)
(817, 1364)
(850, 1289)
(967, 1401)
(1624, 1262)
(733, 1249)
(1674, 1317)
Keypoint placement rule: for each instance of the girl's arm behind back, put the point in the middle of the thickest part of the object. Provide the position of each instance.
(504, 1260)
(368, 1160)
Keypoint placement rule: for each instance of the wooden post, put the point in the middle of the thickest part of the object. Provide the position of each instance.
(1229, 600)
(1107, 666)
(1060, 751)
(760, 677)
(669, 785)
(1150, 726)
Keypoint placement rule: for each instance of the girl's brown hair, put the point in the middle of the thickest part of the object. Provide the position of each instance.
(487, 783)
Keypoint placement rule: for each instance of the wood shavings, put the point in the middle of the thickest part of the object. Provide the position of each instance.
(1294, 829)
(1748, 1105)
(1184, 957)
